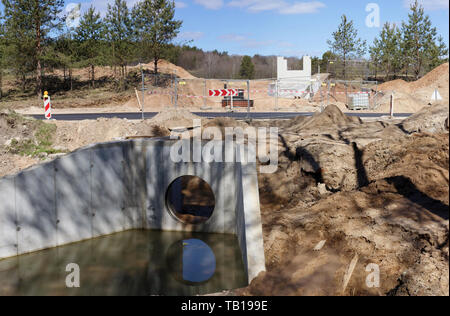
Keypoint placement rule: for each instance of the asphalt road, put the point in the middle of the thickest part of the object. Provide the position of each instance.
(236, 115)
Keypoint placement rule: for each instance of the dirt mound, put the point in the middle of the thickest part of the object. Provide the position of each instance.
(398, 221)
(171, 68)
(330, 118)
(403, 103)
(430, 119)
(411, 97)
(437, 78)
(394, 85)
(174, 118)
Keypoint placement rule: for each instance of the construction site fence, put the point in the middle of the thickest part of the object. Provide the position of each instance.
(284, 94)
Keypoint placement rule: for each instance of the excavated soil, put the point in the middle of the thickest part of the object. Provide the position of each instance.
(379, 199)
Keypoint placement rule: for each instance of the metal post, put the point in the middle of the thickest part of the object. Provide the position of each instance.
(143, 92)
(176, 93)
(204, 95)
(375, 105)
(231, 106)
(310, 91)
(276, 95)
(172, 95)
(392, 104)
(248, 100)
(328, 93)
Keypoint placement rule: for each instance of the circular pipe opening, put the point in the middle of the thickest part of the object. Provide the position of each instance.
(190, 199)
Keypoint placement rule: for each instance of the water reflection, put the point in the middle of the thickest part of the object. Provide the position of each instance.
(191, 261)
(130, 263)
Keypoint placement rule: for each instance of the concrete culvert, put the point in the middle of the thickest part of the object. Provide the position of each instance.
(190, 199)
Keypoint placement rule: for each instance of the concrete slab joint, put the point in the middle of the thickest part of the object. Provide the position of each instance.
(112, 187)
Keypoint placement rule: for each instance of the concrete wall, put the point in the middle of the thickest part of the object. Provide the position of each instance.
(284, 74)
(117, 186)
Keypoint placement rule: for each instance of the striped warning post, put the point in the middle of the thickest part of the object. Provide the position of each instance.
(47, 106)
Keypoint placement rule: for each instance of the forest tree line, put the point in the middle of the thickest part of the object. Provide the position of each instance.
(35, 39)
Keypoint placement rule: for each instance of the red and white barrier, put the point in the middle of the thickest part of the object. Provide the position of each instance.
(223, 93)
(47, 106)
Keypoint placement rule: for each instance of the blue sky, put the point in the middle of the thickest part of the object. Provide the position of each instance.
(282, 27)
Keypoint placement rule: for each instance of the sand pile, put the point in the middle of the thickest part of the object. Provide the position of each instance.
(394, 85)
(431, 119)
(437, 78)
(330, 118)
(398, 219)
(174, 118)
(411, 97)
(403, 103)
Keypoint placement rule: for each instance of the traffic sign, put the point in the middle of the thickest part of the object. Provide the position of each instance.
(223, 93)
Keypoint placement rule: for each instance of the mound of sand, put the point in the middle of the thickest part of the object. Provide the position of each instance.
(437, 78)
(430, 119)
(413, 96)
(394, 85)
(330, 118)
(403, 103)
(174, 118)
(163, 66)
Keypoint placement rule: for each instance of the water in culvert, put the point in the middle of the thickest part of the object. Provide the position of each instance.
(130, 263)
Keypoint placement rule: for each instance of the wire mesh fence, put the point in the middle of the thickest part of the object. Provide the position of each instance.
(256, 95)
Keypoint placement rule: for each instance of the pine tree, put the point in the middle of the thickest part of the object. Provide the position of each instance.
(386, 49)
(376, 56)
(119, 31)
(247, 69)
(155, 26)
(35, 19)
(65, 52)
(420, 40)
(345, 43)
(90, 34)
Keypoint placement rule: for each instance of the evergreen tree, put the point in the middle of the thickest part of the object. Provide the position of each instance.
(386, 49)
(119, 32)
(90, 34)
(35, 19)
(375, 56)
(326, 58)
(345, 43)
(247, 69)
(65, 52)
(155, 26)
(420, 41)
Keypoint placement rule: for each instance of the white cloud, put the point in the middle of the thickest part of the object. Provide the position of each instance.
(210, 4)
(233, 38)
(180, 5)
(246, 41)
(102, 5)
(190, 35)
(280, 6)
(429, 5)
(302, 8)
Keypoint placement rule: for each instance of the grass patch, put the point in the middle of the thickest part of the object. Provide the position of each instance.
(39, 143)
